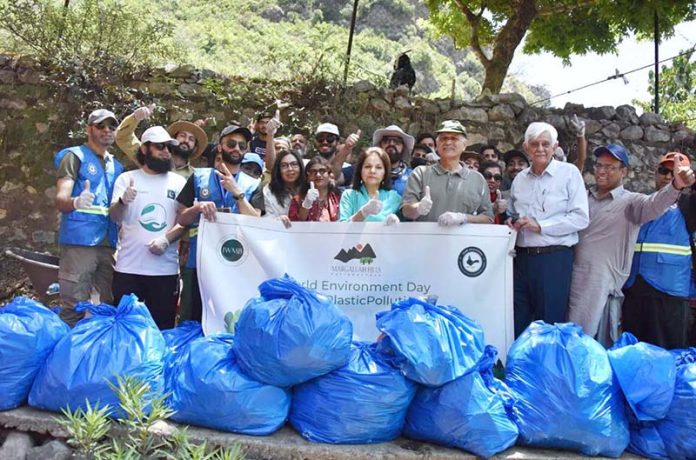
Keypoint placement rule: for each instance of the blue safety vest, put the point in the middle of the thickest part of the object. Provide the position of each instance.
(399, 184)
(207, 187)
(663, 255)
(88, 227)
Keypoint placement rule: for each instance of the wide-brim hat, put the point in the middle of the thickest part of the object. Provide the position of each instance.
(394, 130)
(198, 133)
(471, 154)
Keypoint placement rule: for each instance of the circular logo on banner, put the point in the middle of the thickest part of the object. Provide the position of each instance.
(153, 218)
(472, 261)
(232, 250)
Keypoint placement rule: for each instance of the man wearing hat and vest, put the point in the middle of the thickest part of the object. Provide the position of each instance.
(225, 186)
(191, 138)
(448, 192)
(398, 145)
(86, 176)
(603, 254)
(656, 308)
(145, 207)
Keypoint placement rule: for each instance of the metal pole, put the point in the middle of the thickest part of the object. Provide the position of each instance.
(350, 42)
(657, 65)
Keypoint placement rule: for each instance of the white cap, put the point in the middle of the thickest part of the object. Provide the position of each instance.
(157, 134)
(327, 128)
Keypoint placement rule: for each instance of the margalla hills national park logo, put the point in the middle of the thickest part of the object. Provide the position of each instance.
(364, 254)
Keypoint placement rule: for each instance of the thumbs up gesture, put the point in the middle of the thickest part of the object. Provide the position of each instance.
(129, 195)
(500, 205)
(273, 125)
(353, 139)
(311, 196)
(426, 203)
(85, 199)
(141, 113)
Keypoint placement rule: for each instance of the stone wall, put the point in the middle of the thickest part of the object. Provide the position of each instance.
(39, 116)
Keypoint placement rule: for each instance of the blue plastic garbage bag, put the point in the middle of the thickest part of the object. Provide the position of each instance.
(28, 333)
(208, 389)
(646, 374)
(466, 413)
(114, 342)
(176, 340)
(566, 395)
(433, 344)
(291, 334)
(678, 428)
(363, 402)
(645, 439)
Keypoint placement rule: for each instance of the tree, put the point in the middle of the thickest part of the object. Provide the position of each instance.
(495, 28)
(677, 91)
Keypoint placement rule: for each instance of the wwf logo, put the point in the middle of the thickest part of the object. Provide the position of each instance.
(472, 262)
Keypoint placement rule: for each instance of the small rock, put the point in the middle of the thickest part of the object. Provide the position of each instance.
(41, 236)
(402, 91)
(501, 112)
(402, 103)
(429, 107)
(187, 89)
(606, 112)
(12, 104)
(3, 213)
(380, 105)
(592, 126)
(649, 118)
(363, 86)
(16, 446)
(676, 137)
(7, 77)
(52, 450)
(627, 113)
(41, 127)
(611, 131)
(632, 133)
(653, 134)
(474, 114)
(496, 134)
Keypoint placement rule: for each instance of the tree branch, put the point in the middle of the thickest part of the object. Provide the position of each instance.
(474, 21)
(562, 9)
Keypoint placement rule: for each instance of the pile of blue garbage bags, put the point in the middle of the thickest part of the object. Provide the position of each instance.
(429, 376)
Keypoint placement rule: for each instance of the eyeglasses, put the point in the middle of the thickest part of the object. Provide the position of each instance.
(159, 145)
(396, 140)
(608, 168)
(290, 165)
(326, 139)
(317, 172)
(103, 126)
(488, 176)
(232, 144)
(664, 171)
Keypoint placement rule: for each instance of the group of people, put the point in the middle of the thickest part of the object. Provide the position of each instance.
(579, 252)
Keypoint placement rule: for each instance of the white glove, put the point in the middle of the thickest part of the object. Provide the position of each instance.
(577, 126)
(426, 203)
(311, 196)
(141, 113)
(273, 124)
(501, 204)
(432, 157)
(449, 219)
(372, 207)
(85, 199)
(392, 219)
(158, 245)
(130, 193)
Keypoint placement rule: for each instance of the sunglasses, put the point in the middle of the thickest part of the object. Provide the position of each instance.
(664, 171)
(489, 176)
(103, 126)
(326, 139)
(396, 140)
(232, 144)
(317, 172)
(159, 145)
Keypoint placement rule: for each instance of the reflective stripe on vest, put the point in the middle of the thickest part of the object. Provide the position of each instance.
(193, 232)
(99, 210)
(664, 248)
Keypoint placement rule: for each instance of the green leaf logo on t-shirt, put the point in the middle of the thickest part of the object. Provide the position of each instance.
(153, 218)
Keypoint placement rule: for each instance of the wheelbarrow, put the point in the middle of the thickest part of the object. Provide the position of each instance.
(42, 269)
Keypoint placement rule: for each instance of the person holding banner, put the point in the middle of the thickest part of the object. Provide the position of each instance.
(320, 196)
(447, 192)
(371, 198)
(548, 205)
(226, 186)
(287, 180)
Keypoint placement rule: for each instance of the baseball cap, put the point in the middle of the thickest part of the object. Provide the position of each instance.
(451, 126)
(615, 150)
(231, 129)
(157, 134)
(253, 158)
(100, 115)
(510, 154)
(327, 128)
(394, 130)
(670, 157)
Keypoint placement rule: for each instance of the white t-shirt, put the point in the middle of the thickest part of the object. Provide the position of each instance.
(150, 216)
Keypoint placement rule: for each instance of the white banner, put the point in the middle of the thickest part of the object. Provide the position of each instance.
(362, 267)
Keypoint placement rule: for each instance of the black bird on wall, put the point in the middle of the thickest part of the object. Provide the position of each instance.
(403, 73)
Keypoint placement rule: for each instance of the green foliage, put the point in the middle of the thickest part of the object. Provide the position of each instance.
(136, 437)
(677, 91)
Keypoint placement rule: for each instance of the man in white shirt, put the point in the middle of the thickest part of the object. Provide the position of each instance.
(548, 203)
(144, 205)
